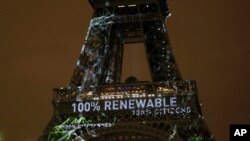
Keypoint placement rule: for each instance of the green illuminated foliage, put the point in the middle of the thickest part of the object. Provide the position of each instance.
(61, 133)
(197, 138)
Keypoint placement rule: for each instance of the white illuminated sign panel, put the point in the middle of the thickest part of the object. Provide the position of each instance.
(138, 106)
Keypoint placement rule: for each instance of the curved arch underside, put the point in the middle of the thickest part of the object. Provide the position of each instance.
(126, 136)
(130, 133)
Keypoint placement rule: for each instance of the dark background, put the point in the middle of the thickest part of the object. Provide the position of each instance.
(41, 40)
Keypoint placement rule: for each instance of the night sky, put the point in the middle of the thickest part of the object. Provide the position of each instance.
(41, 40)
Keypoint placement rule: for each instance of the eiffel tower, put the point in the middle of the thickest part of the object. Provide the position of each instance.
(98, 106)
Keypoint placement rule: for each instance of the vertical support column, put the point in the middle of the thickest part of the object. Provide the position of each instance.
(90, 65)
(160, 55)
(118, 57)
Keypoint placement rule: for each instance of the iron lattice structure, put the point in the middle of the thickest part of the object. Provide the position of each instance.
(97, 106)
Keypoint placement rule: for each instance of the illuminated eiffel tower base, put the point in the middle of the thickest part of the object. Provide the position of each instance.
(97, 106)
